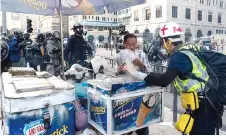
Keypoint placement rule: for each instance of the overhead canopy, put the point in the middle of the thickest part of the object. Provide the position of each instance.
(69, 7)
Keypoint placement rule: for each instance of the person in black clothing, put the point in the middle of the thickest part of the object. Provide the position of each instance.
(35, 52)
(27, 41)
(76, 48)
(4, 54)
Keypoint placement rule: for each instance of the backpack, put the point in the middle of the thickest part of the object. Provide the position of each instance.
(53, 48)
(29, 55)
(216, 68)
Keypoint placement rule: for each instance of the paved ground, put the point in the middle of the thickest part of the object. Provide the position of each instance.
(166, 127)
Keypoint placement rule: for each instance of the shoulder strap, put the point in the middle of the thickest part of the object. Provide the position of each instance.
(193, 76)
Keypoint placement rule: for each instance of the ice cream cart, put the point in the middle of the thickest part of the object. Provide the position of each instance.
(121, 105)
(33, 105)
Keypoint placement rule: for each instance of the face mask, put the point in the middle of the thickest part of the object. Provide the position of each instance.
(166, 46)
(79, 30)
(162, 54)
(56, 35)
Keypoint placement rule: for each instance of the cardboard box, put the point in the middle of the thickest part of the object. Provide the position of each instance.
(38, 112)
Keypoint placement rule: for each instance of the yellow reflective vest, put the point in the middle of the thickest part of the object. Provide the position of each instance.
(198, 69)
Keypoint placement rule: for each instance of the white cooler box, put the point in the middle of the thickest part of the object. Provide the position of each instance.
(119, 107)
(37, 106)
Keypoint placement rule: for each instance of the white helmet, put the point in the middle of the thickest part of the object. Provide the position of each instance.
(169, 30)
(97, 63)
(77, 70)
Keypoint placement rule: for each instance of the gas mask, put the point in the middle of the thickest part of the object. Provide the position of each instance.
(122, 30)
(159, 53)
(56, 35)
(26, 36)
(41, 39)
(79, 30)
(49, 36)
(162, 54)
(19, 35)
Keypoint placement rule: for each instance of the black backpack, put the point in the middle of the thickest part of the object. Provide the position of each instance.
(29, 55)
(216, 68)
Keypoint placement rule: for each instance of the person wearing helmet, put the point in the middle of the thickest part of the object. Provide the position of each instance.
(181, 66)
(4, 54)
(53, 53)
(15, 51)
(76, 48)
(92, 45)
(20, 40)
(35, 52)
(27, 41)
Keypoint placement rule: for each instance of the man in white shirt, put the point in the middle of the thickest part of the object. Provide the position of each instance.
(130, 55)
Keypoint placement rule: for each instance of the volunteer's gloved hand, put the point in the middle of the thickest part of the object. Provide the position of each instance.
(130, 69)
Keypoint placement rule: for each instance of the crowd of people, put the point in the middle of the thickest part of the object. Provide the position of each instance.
(43, 51)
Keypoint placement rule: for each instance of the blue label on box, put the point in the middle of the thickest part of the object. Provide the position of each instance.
(136, 111)
(56, 120)
(98, 111)
(122, 88)
(127, 87)
(81, 93)
(81, 90)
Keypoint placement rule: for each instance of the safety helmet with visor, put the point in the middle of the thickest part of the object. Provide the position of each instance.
(19, 35)
(170, 32)
(56, 34)
(78, 28)
(26, 36)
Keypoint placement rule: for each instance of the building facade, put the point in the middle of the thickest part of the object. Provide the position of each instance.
(34, 19)
(18, 21)
(52, 23)
(96, 25)
(196, 17)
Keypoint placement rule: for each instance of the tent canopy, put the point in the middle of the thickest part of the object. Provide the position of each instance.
(69, 7)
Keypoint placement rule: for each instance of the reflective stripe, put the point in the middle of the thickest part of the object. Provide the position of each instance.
(199, 70)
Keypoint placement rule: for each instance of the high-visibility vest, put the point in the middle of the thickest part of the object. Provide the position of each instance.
(198, 69)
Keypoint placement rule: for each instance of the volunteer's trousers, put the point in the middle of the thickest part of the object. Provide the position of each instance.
(205, 118)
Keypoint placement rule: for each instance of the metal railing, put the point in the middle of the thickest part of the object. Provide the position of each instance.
(170, 89)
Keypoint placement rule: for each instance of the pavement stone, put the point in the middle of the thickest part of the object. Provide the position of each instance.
(166, 127)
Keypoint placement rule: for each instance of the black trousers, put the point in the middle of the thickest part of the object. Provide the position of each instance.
(206, 117)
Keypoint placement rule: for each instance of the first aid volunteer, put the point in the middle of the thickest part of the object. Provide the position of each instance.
(200, 117)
